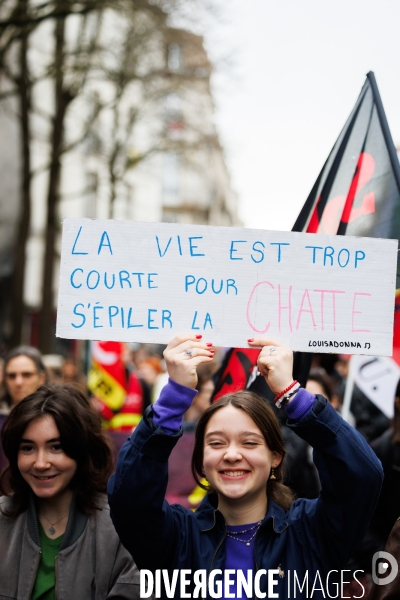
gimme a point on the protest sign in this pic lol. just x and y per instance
(146, 282)
(377, 377)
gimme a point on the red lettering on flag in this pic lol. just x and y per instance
(340, 208)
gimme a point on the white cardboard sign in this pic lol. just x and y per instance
(146, 282)
(377, 377)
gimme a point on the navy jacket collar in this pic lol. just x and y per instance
(208, 515)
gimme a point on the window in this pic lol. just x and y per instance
(92, 183)
(173, 116)
(174, 57)
(170, 179)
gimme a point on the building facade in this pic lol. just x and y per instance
(140, 140)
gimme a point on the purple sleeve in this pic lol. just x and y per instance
(301, 404)
(173, 402)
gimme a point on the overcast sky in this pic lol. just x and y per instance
(299, 67)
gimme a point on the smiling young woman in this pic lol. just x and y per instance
(249, 521)
(57, 540)
(232, 453)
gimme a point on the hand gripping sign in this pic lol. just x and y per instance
(146, 282)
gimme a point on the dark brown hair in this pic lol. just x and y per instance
(81, 436)
(319, 375)
(263, 416)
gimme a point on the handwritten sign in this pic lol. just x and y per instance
(146, 282)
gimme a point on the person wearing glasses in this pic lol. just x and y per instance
(24, 373)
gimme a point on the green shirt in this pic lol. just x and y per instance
(45, 584)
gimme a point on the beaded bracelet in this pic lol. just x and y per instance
(289, 387)
(286, 397)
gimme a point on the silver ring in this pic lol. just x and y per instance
(188, 352)
(272, 349)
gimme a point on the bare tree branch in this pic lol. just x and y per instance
(131, 68)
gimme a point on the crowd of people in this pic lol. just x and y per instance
(185, 459)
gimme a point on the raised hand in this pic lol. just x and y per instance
(182, 356)
(275, 363)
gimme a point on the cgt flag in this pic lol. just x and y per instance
(358, 190)
(118, 393)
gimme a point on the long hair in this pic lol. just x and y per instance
(81, 437)
(263, 416)
(29, 352)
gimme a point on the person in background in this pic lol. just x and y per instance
(319, 382)
(53, 363)
(149, 369)
(301, 474)
(56, 536)
(366, 417)
(1, 375)
(205, 389)
(4, 410)
(3, 406)
(138, 391)
(387, 449)
(24, 372)
(73, 375)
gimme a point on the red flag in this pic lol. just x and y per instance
(235, 372)
(396, 329)
(238, 372)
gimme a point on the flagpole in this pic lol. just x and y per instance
(385, 128)
(348, 392)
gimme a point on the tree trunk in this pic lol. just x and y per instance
(62, 99)
(17, 307)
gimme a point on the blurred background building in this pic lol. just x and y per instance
(105, 112)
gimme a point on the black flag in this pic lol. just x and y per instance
(358, 190)
(356, 193)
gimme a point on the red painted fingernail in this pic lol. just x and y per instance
(198, 337)
(251, 340)
(212, 351)
(209, 344)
